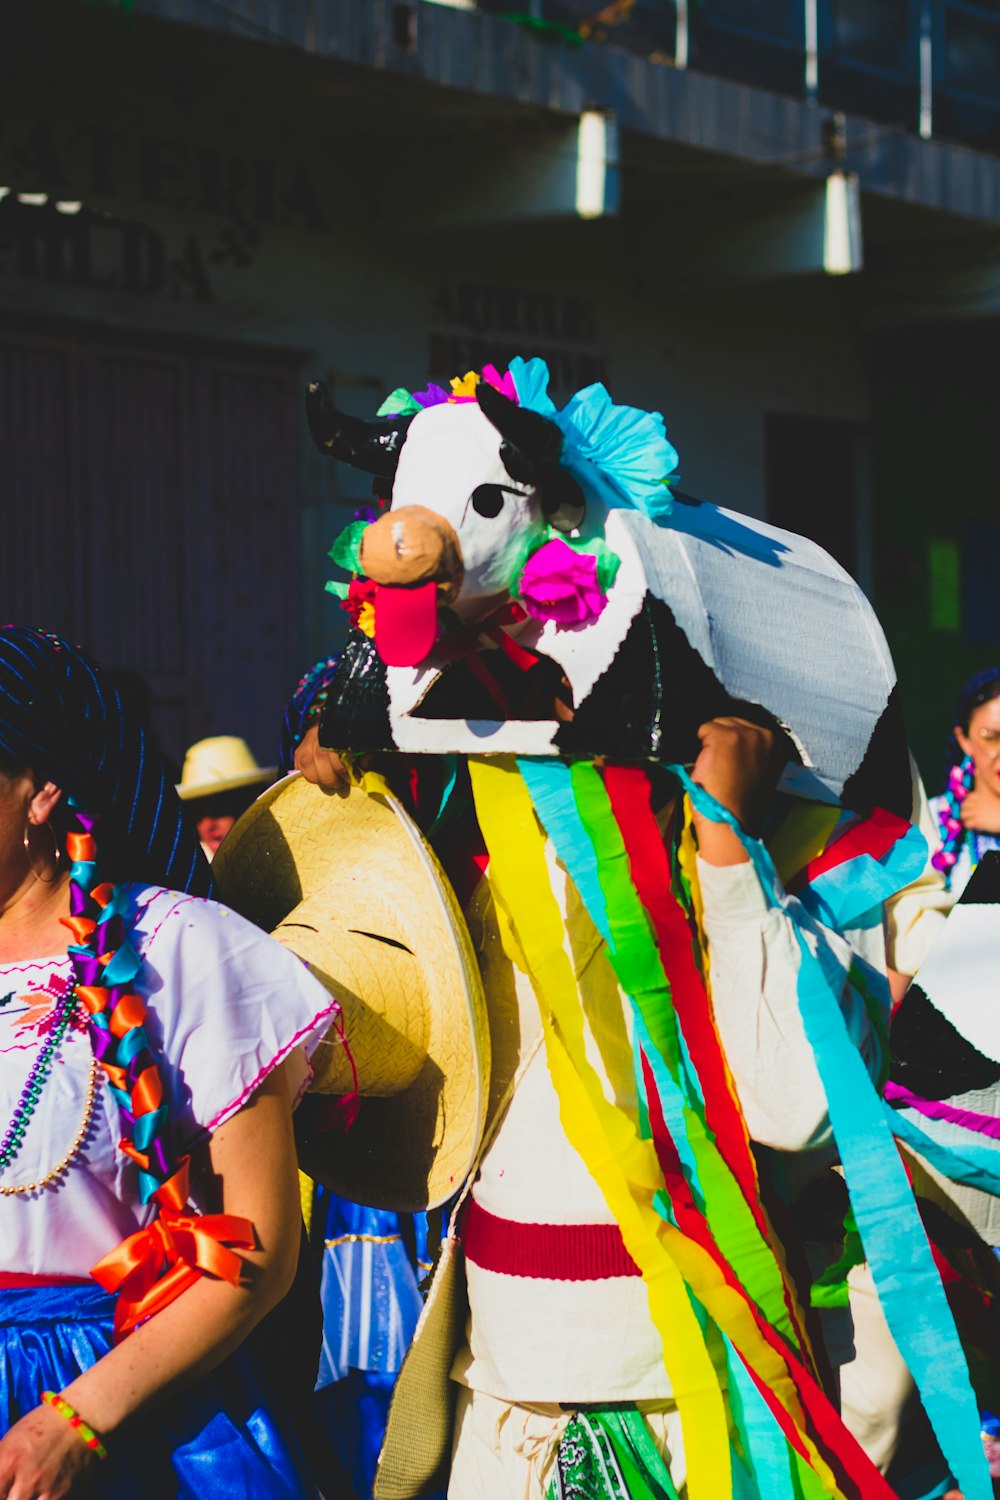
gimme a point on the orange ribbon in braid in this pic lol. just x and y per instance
(153, 1266)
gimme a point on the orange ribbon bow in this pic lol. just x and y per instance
(156, 1264)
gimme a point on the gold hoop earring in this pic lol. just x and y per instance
(56, 852)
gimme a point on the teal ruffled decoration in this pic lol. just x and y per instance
(628, 446)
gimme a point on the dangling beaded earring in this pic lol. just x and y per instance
(961, 779)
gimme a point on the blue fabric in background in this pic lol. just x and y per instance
(371, 1300)
(372, 1263)
(223, 1439)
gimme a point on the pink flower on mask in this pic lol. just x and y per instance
(560, 584)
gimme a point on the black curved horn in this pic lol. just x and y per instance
(531, 443)
(372, 446)
(530, 453)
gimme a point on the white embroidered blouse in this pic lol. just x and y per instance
(226, 1004)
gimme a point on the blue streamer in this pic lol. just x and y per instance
(451, 761)
(841, 897)
(974, 1165)
(551, 790)
(550, 786)
(909, 1288)
(767, 1452)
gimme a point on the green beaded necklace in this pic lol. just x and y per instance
(14, 1135)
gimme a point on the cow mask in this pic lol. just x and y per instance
(524, 539)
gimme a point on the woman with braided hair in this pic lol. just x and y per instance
(968, 811)
(152, 1047)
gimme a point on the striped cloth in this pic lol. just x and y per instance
(62, 717)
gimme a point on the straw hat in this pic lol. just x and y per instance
(220, 764)
(350, 885)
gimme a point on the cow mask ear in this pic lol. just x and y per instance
(531, 443)
(530, 453)
(372, 446)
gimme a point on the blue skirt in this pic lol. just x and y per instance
(223, 1439)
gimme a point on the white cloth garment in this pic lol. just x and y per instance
(504, 1451)
(551, 1338)
(915, 916)
(226, 1004)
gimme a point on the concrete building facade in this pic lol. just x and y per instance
(207, 203)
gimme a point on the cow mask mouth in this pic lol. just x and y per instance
(414, 558)
(413, 555)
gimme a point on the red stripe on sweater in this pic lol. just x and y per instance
(545, 1252)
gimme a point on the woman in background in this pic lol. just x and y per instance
(968, 811)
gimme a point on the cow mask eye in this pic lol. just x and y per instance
(487, 500)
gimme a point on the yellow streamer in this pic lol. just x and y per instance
(802, 835)
(623, 1165)
(307, 1196)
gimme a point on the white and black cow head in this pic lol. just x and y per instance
(516, 529)
(472, 485)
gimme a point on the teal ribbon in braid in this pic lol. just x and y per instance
(156, 1264)
(105, 965)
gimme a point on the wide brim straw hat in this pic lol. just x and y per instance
(349, 883)
(222, 763)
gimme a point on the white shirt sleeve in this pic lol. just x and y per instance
(915, 916)
(754, 960)
(227, 1004)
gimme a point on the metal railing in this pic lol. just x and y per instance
(929, 66)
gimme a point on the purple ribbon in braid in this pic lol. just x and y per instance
(104, 965)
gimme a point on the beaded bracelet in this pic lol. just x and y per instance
(84, 1432)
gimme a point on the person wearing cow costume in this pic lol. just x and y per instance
(678, 736)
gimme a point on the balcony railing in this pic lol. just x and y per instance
(929, 66)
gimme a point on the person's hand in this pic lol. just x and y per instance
(324, 768)
(42, 1458)
(980, 811)
(739, 764)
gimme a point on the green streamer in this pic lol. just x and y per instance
(831, 1289)
(636, 961)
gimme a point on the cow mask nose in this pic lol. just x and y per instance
(410, 546)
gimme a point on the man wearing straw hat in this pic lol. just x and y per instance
(595, 698)
(219, 780)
